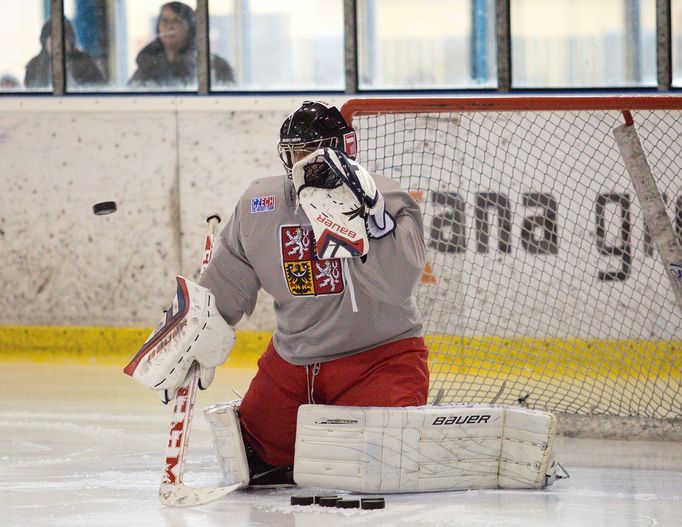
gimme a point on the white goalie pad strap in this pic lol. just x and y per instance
(335, 211)
(228, 442)
(426, 448)
(191, 330)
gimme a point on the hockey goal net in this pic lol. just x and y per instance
(543, 286)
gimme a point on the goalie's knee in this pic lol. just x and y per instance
(228, 443)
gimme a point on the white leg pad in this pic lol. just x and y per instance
(426, 448)
(228, 443)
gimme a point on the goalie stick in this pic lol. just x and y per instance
(173, 491)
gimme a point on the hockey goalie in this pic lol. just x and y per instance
(339, 399)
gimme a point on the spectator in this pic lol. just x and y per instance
(170, 59)
(9, 82)
(80, 67)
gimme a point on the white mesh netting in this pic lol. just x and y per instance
(543, 286)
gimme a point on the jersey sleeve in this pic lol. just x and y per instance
(394, 263)
(230, 276)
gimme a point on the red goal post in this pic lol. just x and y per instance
(543, 286)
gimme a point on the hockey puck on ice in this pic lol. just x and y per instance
(105, 207)
(348, 504)
(372, 503)
(318, 498)
(302, 500)
(329, 501)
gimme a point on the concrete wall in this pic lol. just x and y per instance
(167, 162)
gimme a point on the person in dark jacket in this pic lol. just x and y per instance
(170, 59)
(80, 67)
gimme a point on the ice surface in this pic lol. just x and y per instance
(84, 446)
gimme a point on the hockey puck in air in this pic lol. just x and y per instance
(372, 503)
(348, 504)
(104, 207)
(328, 501)
(302, 500)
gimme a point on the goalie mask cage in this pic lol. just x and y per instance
(543, 286)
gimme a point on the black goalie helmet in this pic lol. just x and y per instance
(312, 126)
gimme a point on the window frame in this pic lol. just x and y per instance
(350, 14)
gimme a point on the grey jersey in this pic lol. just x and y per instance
(325, 309)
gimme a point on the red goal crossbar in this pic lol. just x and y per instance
(509, 104)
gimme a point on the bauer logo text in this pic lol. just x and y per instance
(461, 419)
(324, 220)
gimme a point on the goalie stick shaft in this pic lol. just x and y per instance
(181, 421)
(172, 490)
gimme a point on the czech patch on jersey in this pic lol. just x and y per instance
(263, 204)
(305, 275)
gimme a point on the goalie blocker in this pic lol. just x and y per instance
(412, 449)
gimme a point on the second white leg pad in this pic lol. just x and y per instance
(228, 442)
(420, 449)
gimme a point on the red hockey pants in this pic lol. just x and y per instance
(395, 374)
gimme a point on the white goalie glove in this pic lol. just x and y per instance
(191, 330)
(342, 202)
